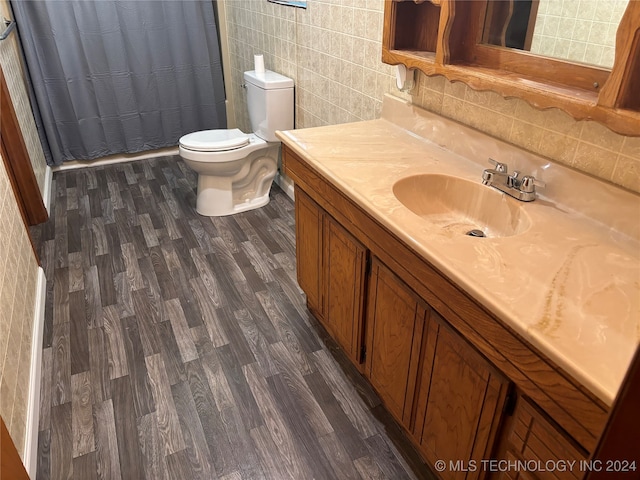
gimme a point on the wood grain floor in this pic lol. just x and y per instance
(179, 347)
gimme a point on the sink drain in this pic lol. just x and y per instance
(476, 233)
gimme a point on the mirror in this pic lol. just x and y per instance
(575, 30)
(292, 3)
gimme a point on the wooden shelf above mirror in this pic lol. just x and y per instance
(445, 37)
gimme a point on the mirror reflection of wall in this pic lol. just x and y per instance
(292, 3)
(578, 30)
(510, 23)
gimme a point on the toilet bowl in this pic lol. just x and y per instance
(235, 170)
(233, 180)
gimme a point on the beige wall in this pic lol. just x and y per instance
(583, 31)
(18, 267)
(11, 67)
(18, 278)
(332, 51)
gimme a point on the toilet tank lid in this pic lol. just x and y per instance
(215, 140)
(268, 80)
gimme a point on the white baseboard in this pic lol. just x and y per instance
(286, 184)
(35, 375)
(120, 158)
(46, 195)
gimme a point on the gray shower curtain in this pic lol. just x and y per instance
(114, 76)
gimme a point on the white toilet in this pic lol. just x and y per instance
(235, 170)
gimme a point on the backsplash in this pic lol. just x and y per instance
(332, 51)
(586, 146)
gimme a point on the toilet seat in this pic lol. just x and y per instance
(246, 143)
(215, 140)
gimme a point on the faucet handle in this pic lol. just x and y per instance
(499, 167)
(529, 184)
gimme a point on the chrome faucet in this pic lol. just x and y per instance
(521, 188)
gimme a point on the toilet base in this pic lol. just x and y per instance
(247, 189)
(212, 202)
(242, 207)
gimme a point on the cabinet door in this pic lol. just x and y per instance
(395, 322)
(460, 402)
(344, 267)
(309, 220)
(535, 438)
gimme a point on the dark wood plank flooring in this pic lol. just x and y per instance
(180, 346)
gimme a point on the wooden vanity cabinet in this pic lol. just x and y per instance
(331, 271)
(444, 368)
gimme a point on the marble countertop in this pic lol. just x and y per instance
(570, 284)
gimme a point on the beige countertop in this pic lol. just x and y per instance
(569, 284)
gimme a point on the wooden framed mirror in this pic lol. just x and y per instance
(448, 37)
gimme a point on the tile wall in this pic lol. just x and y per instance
(332, 50)
(18, 267)
(12, 69)
(18, 278)
(579, 30)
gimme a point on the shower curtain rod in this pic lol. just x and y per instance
(9, 26)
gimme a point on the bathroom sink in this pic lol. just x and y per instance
(460, 206)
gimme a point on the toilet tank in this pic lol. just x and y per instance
(270, 103)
